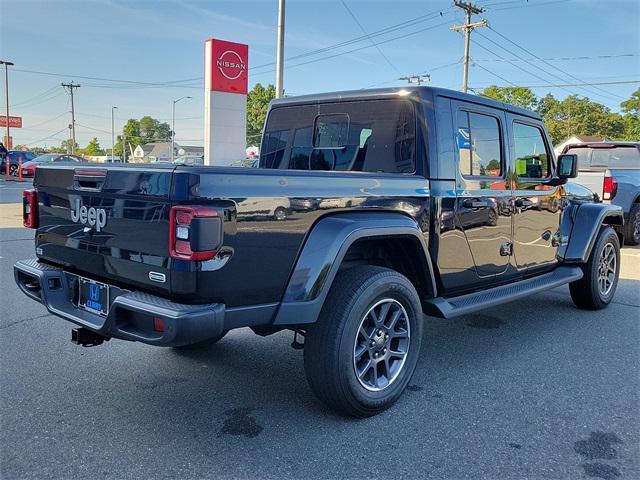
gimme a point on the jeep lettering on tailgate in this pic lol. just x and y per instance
(94, 217)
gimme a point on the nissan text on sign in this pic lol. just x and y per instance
(225, 101)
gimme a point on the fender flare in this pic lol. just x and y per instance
(322, 254)
(585, 221)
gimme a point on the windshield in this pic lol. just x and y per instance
(48, 157)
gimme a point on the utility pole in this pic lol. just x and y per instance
(6, 100)
(418, 79)
(71, 86)
(113, 142)
(468, 27)
(280, 50)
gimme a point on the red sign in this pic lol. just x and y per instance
(14, 122)
(229, 66)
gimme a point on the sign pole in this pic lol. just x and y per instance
(6, 100)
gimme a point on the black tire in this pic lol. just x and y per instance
(201, 345)
(588, 293)
(331, 343)
(280, 214)
(632, 234)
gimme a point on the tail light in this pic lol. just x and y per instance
(609, 187)
(30, 208)
(195, 233)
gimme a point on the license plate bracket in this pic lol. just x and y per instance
(93, 296)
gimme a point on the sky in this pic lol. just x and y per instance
(140, 55)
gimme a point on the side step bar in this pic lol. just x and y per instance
(455, 306)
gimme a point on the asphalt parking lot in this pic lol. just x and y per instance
(534, 389)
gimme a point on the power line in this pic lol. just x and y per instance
(66, 75)
(547, 63)
(92, 128)
(47, 121)
(494, 74)
(355, 19)
(383, 31)
(527, 5)
(550, 74)
(533, 74)
(561, 85)
(365, 47)
(36, 97)
(46, 138)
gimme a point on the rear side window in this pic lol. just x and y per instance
(532, 158)
(479, 146)
(618, 157)
(367, 136)
(584, 156)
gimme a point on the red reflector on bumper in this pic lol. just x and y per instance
(158, 324)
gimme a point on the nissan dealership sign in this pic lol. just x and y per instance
(225, 103)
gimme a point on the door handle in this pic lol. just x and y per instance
(523, 202)
(468, 203)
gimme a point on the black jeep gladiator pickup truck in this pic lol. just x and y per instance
(368, 210)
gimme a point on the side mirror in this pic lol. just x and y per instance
(567, 166)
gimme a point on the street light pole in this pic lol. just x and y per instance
(6, 95)
(280, 50)
(173, 123)
(113, 143)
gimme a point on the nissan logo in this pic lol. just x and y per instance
(230, 65)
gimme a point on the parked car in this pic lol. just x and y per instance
(15, 157)
(190, 262)
(29, 168)
(612, 171)
(190, 160)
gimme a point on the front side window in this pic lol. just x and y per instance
(532, 158)
(365, 136)
(479, 146)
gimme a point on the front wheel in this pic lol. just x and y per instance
(280, 214)
(362, 352)
(596, 288)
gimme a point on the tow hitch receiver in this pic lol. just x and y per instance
(87, 338)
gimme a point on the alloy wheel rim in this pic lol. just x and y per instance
(636, 227)
(381, 345)
(607, 263)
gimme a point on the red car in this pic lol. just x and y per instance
(29, 168)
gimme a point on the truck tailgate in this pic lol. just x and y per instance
(592, 179)
(109, 223)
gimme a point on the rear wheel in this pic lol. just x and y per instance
(362, 352)
(632, 235)
(596, 288)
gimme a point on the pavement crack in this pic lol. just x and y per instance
(23, 321)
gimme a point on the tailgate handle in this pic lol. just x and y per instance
(89, 179)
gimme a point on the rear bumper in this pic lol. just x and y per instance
(131, 314)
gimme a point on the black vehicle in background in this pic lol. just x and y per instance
(400, 202)
(15, 158)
